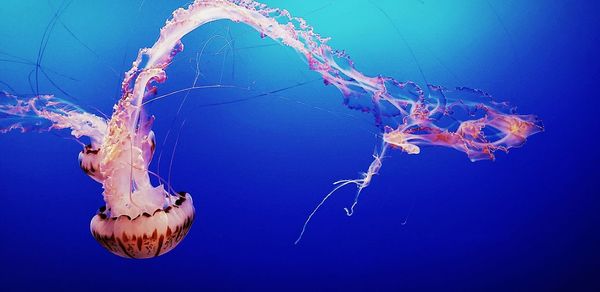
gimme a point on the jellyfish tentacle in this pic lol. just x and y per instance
(365, 181)
(314, 211)
(46, 112)
(361, 183)
(188, 90)
(174, 149)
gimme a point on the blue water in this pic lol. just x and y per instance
(528, 221)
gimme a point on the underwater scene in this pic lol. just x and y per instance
(358, 145)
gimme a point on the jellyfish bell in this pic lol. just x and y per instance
(148, 234)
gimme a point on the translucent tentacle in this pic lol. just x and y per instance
(45, 113)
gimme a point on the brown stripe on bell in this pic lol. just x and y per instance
(147, 235)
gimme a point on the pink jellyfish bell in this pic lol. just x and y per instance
(148, 234)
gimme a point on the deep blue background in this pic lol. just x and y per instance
(528, 221)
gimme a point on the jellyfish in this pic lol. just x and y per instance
(140, 220)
